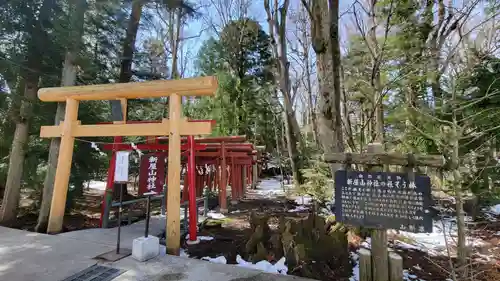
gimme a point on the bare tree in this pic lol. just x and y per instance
(171, 33)
(225, 12)
(324, 17)
(376, 47)
(276, 18)
(303, 39)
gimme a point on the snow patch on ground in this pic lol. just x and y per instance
(220, 259)
(355, 269)
(492, 213)
(202, 238)
(215, 215)
(182, 252)
(367, 243)
(495, 210)
(408, 276)
(97, 185)
(444, 234)
(277, 268)
(272, 188)
(303, 200)
(299, 208)
(269, 188)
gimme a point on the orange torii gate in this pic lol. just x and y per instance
(174, 127)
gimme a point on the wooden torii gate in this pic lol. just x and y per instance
(174, 127)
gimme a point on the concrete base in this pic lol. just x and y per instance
(234, 202)
(145, 248)
(223, 211)
(197, 241)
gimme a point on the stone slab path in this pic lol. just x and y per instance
(28, 256)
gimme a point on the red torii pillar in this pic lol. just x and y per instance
(223, 181)
(191, 174)
(108, 194)
(234, 182)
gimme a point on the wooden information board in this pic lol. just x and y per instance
(383, 200)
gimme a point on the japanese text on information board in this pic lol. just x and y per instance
(383, 200)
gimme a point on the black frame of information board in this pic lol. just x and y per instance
(383, 200)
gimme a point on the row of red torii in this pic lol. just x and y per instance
(210, 155)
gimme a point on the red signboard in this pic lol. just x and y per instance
(152, 173)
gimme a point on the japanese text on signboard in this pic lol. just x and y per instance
(152, 173)
(383, 200)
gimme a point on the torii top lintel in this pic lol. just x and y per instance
(198, 86)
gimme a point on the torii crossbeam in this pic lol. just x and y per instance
(174, 127)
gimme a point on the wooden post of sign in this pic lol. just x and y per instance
(379, 236)
(365, 265)
(395, 267)
(63, 171)
(173, 226)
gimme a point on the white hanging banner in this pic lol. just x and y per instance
(121, 166)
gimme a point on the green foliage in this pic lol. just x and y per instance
(103, 32)
(429, 81)
(244, 104)
(317, 182)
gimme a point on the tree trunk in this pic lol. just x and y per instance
(324, 30)
(48, 184)
(175, 16)
(346, 115)
(462, 251)
(129, 43)
(68, 79)
(292, 129)
(31, 76)
(128, 53)
(12, 194)
(335, 52)
(376, 84)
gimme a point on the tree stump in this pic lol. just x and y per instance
(260, 238)
(310, 240)
(312, 247)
